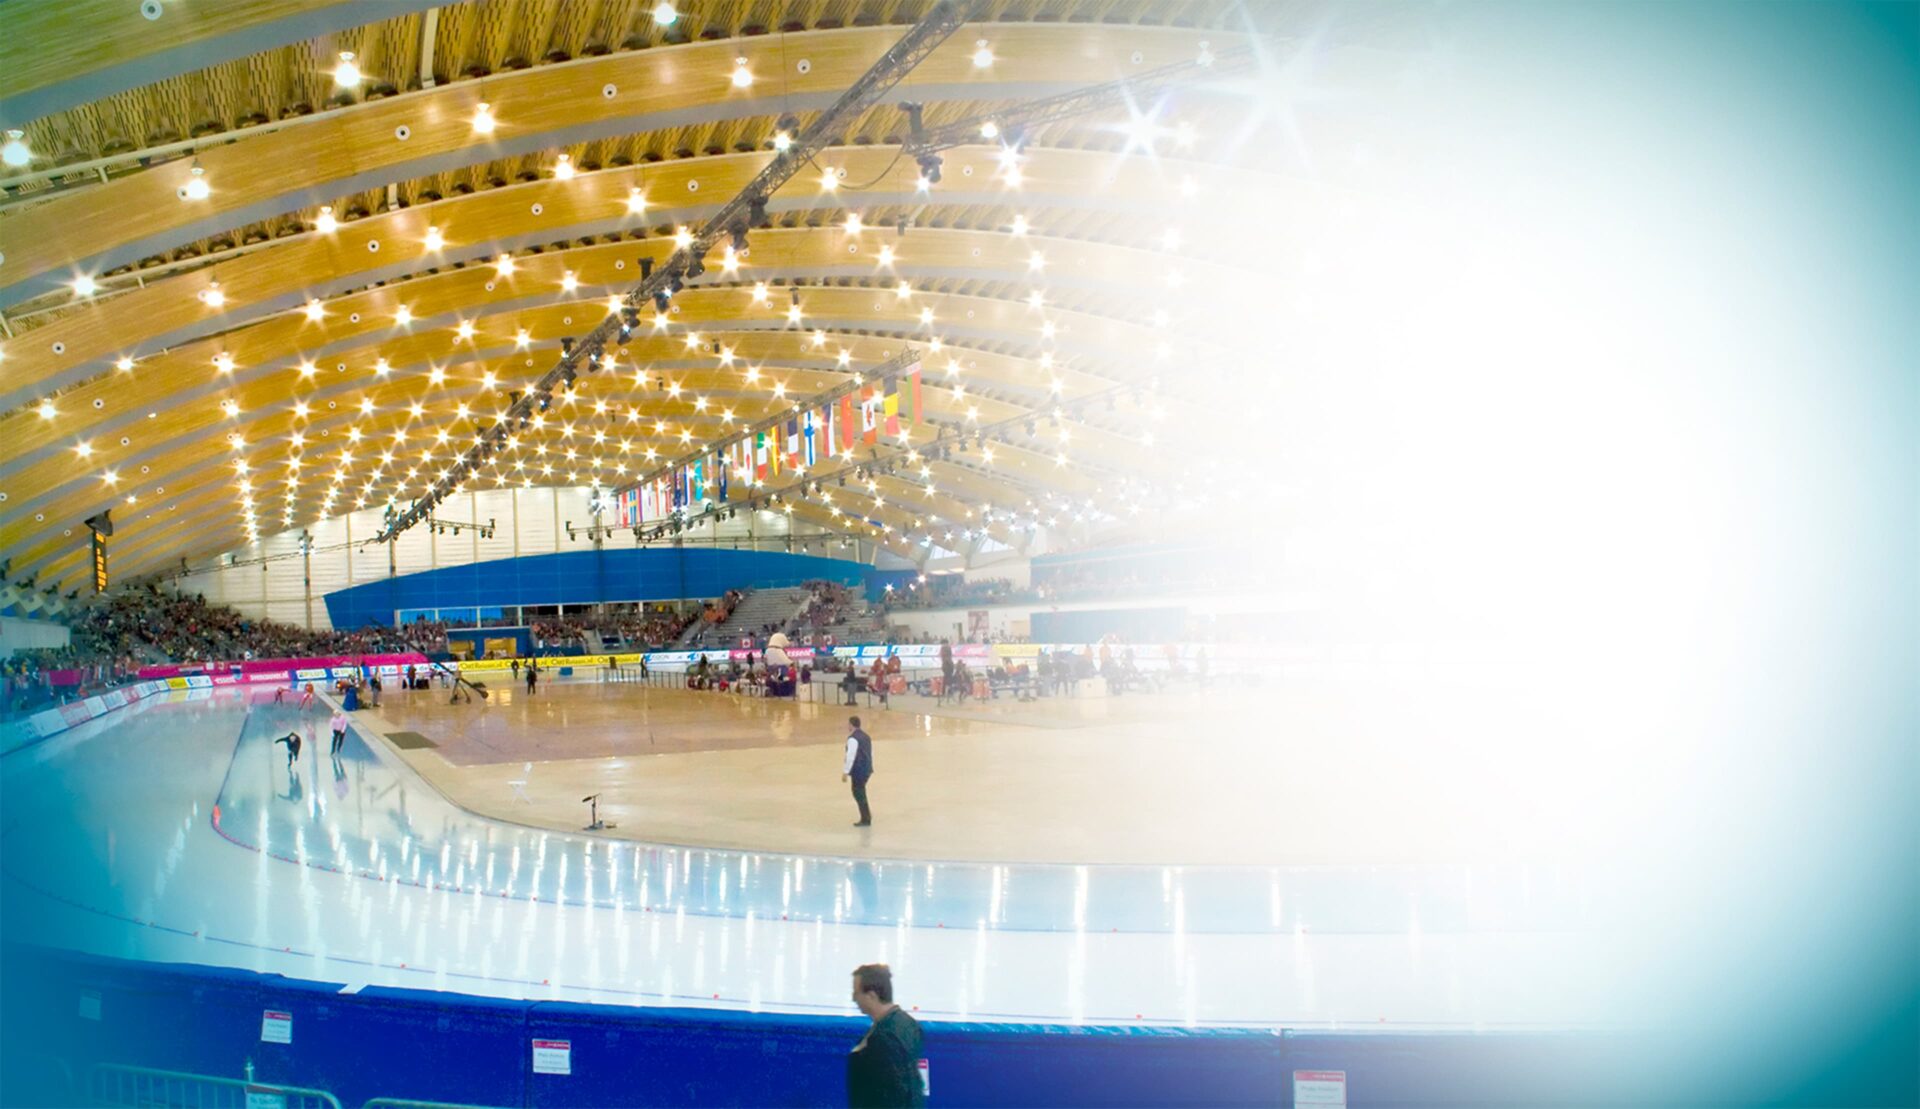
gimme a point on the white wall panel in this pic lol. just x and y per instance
(413, 551)
(495, 505)
(366, 561)
(536, 520)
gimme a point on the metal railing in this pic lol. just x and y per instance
(116, 1084)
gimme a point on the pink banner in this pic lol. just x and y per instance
(276, 669)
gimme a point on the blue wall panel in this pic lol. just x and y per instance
(584, 577)
(453, 1047)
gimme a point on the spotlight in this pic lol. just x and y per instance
(664, 15)
(14, 152)
(346, 74)
(197, 188)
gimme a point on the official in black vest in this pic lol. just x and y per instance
(859, 767)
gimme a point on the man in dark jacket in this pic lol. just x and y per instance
(858, 766)
(885, 1067)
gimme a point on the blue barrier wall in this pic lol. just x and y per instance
(425, 1045)
(584, 577)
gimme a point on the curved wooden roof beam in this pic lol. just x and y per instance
(259, 176)
(254, 387)
(1014, 467)
(62, 53)
(288, 273)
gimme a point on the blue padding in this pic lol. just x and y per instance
(417, 1044)
(427, 1045)
(583, 577)
(689, 1057)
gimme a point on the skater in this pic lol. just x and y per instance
(292, 740)
(946, 671)
(279, 694)
(306, 697)
(859, 767)
(339, 726)
(533, 675)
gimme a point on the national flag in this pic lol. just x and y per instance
(913, 383)
(792, 443)
(869, 416)
(846, 422)
(890, 408)
(806, 421)
(699, 481)
(720, 468)
(773, 450)
(760, 455)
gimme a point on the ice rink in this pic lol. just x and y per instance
(176, 830)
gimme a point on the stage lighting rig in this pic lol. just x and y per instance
(913, 47)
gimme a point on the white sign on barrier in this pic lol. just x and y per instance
(553, 1056)
(276, 1027)
(265, 1097)
(1322, 1089)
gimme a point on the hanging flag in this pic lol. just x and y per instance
(792, 443)
(869, 416)
(890, 408)
(679, 488)
(649, 502)
(914, 389)
(807, 432)
(773, 449)
(760, 455)
(699, 481)
(846, 422)
(720, 469)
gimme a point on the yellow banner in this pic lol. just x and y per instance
(176, 683)
(1017, 650)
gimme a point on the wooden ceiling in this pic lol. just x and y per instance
(236, 352)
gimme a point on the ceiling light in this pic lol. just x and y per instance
(989, 130)
(1019, 225)
(683, 237)
(563, 168)
(15, 152)
(636, 201)
(223, 362)
(402, 316)
(46, 410)
(829, 181)
(483, 121)
(982, 54)
(315, 310)
(325, 223)
(196, 188)
(852, 224)
(124, 365)
(83, 448)
(568, 282)
(664, 15)
(212, 295)
(434, 240)
(84, 285)
(346, 74)
(782, 141)
(504, 265)
(742, 76)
